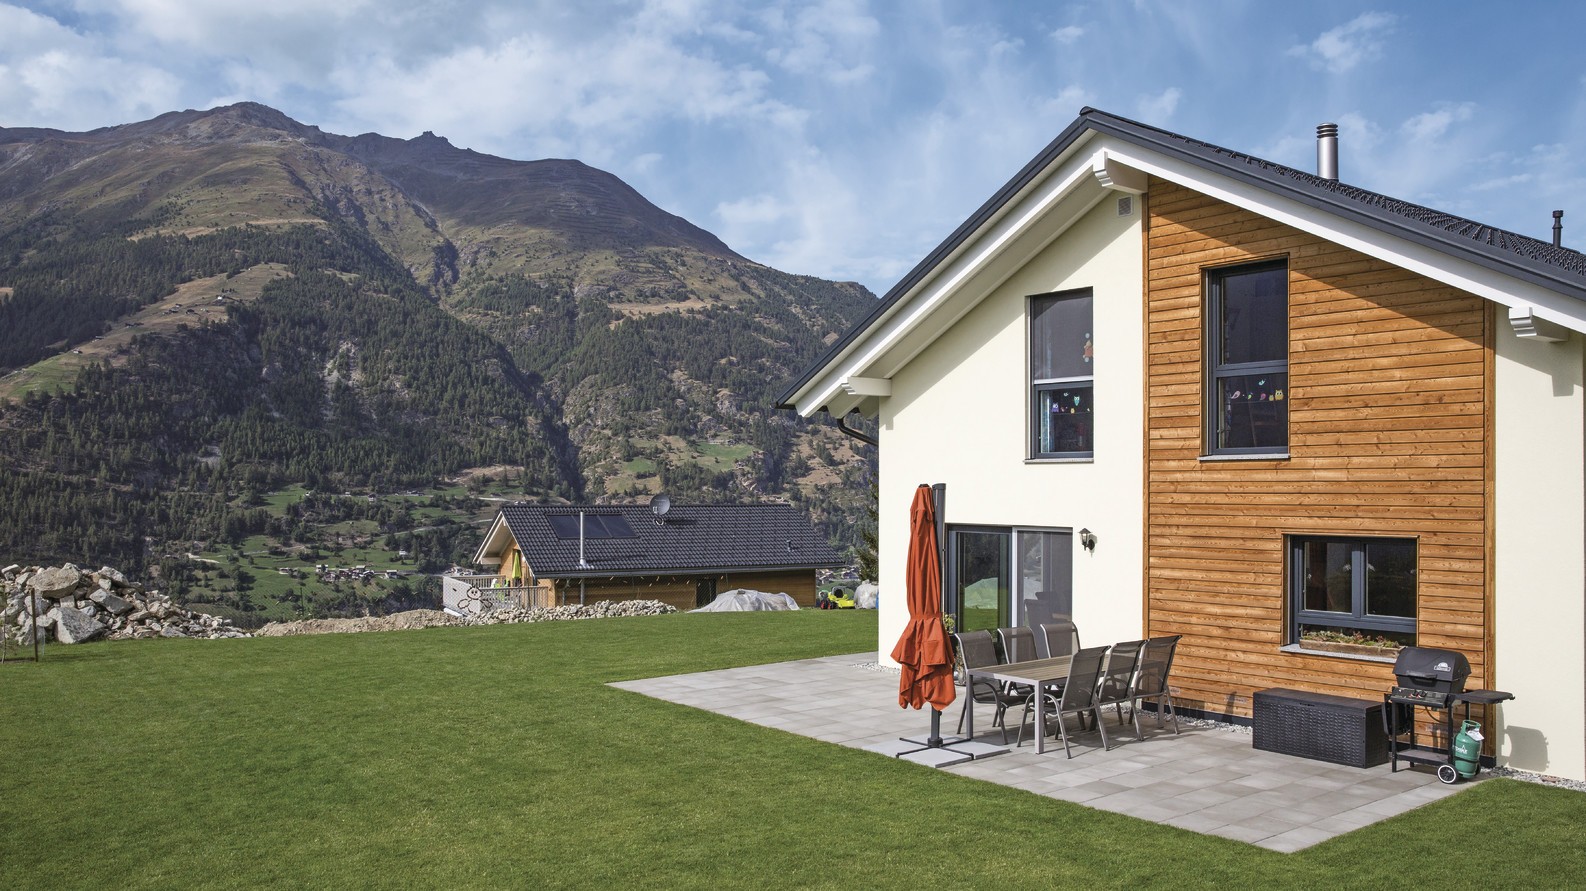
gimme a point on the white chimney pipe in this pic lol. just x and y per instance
(1327, 151)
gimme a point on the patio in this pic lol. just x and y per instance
(1206, 779)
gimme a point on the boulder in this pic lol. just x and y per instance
(113, 576)
(74, 626)
(112, 604)
(55, 583)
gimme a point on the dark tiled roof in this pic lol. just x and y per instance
(693, 538)
(1531, 259)
(1563, 265)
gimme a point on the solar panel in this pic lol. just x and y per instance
(596, 526)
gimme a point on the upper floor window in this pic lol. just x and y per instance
(1062, 375)
(1247, 359)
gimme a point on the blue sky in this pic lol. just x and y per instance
(846, 138)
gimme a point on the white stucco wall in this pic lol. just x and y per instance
(1540, 524)
(958, 415)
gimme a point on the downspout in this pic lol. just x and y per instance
(867, 439)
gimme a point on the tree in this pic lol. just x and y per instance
(865, 553)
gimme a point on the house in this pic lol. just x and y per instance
(1171, 388)
(682, 555)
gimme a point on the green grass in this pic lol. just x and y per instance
(497, 757)
(723, 454)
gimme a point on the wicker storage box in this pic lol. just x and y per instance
(1336, 729)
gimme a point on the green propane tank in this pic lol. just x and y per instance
(1467, 749)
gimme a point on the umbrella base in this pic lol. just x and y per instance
(953, 751)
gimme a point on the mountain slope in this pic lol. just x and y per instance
(230, 302)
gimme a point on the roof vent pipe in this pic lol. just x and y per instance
(1558, 228)
(1327, 151)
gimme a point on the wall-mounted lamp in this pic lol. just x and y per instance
(1087, 539)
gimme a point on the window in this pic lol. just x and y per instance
(1361, 587)
(998, 576)
(1062, 375)
(1247, 359)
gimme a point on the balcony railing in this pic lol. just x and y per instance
(474, 594)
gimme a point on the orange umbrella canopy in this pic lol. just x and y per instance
(923, 651)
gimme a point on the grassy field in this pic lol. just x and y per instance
(497, 757)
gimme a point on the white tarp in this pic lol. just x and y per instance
(741, 600)
(866, 596)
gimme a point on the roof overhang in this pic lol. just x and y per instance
(857, 375)
(1099, 155)
(494, 543)
(1442, 258)
(596, 572)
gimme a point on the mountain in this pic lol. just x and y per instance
(201, 311)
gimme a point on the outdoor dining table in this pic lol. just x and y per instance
(1041, 675)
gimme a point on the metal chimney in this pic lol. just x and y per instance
(1558, 228)
(1327, 151)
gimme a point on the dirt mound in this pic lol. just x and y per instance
(419, 618)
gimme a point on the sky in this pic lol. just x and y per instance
(845, 139)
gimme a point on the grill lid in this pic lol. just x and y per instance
(1423, 666)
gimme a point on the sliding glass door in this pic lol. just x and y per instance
(999, 576)
(981, 569)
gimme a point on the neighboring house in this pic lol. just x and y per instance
(1281, 404)
(546, 555)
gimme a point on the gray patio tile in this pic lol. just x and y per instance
(1204, 798)
(1296, 839)
(1203, 779)
(1241, 833)
(1196, 822)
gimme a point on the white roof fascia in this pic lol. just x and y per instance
(1073, 173)
(490, 537)
(1428, 261)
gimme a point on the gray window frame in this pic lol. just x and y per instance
(1357, 619)
(1039, 385)
(1216, 370)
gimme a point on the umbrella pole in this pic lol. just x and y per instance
(934, 741)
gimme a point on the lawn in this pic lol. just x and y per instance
(497, 757)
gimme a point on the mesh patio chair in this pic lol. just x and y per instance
(1150, 681)
(1018, 644)
(1079, 697)
(978, 649)
(1117, 684)
(1060, 638)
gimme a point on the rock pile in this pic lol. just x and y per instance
(600, 609)
(80, 606)
(429, 618)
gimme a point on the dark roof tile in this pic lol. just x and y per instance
(693, 538)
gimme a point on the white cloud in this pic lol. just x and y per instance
(1068, 35)
(1340, 49)
(830, 40)
(51, 76)
(1431, 125)
(1158, 109)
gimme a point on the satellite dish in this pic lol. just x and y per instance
(660, 504)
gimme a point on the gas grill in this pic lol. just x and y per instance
(1434, 680)
(1428, 677)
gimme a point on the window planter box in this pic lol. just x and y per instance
(1349, 649)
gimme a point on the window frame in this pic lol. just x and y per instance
(1042, 385)
(1216, 370)
(1358, 619)
(1012, 594)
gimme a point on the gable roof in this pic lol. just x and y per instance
(1514, 269)
(697, 538)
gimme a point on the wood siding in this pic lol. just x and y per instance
(1389, 399)
(682, 591)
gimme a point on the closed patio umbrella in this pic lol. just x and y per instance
(923, 651)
